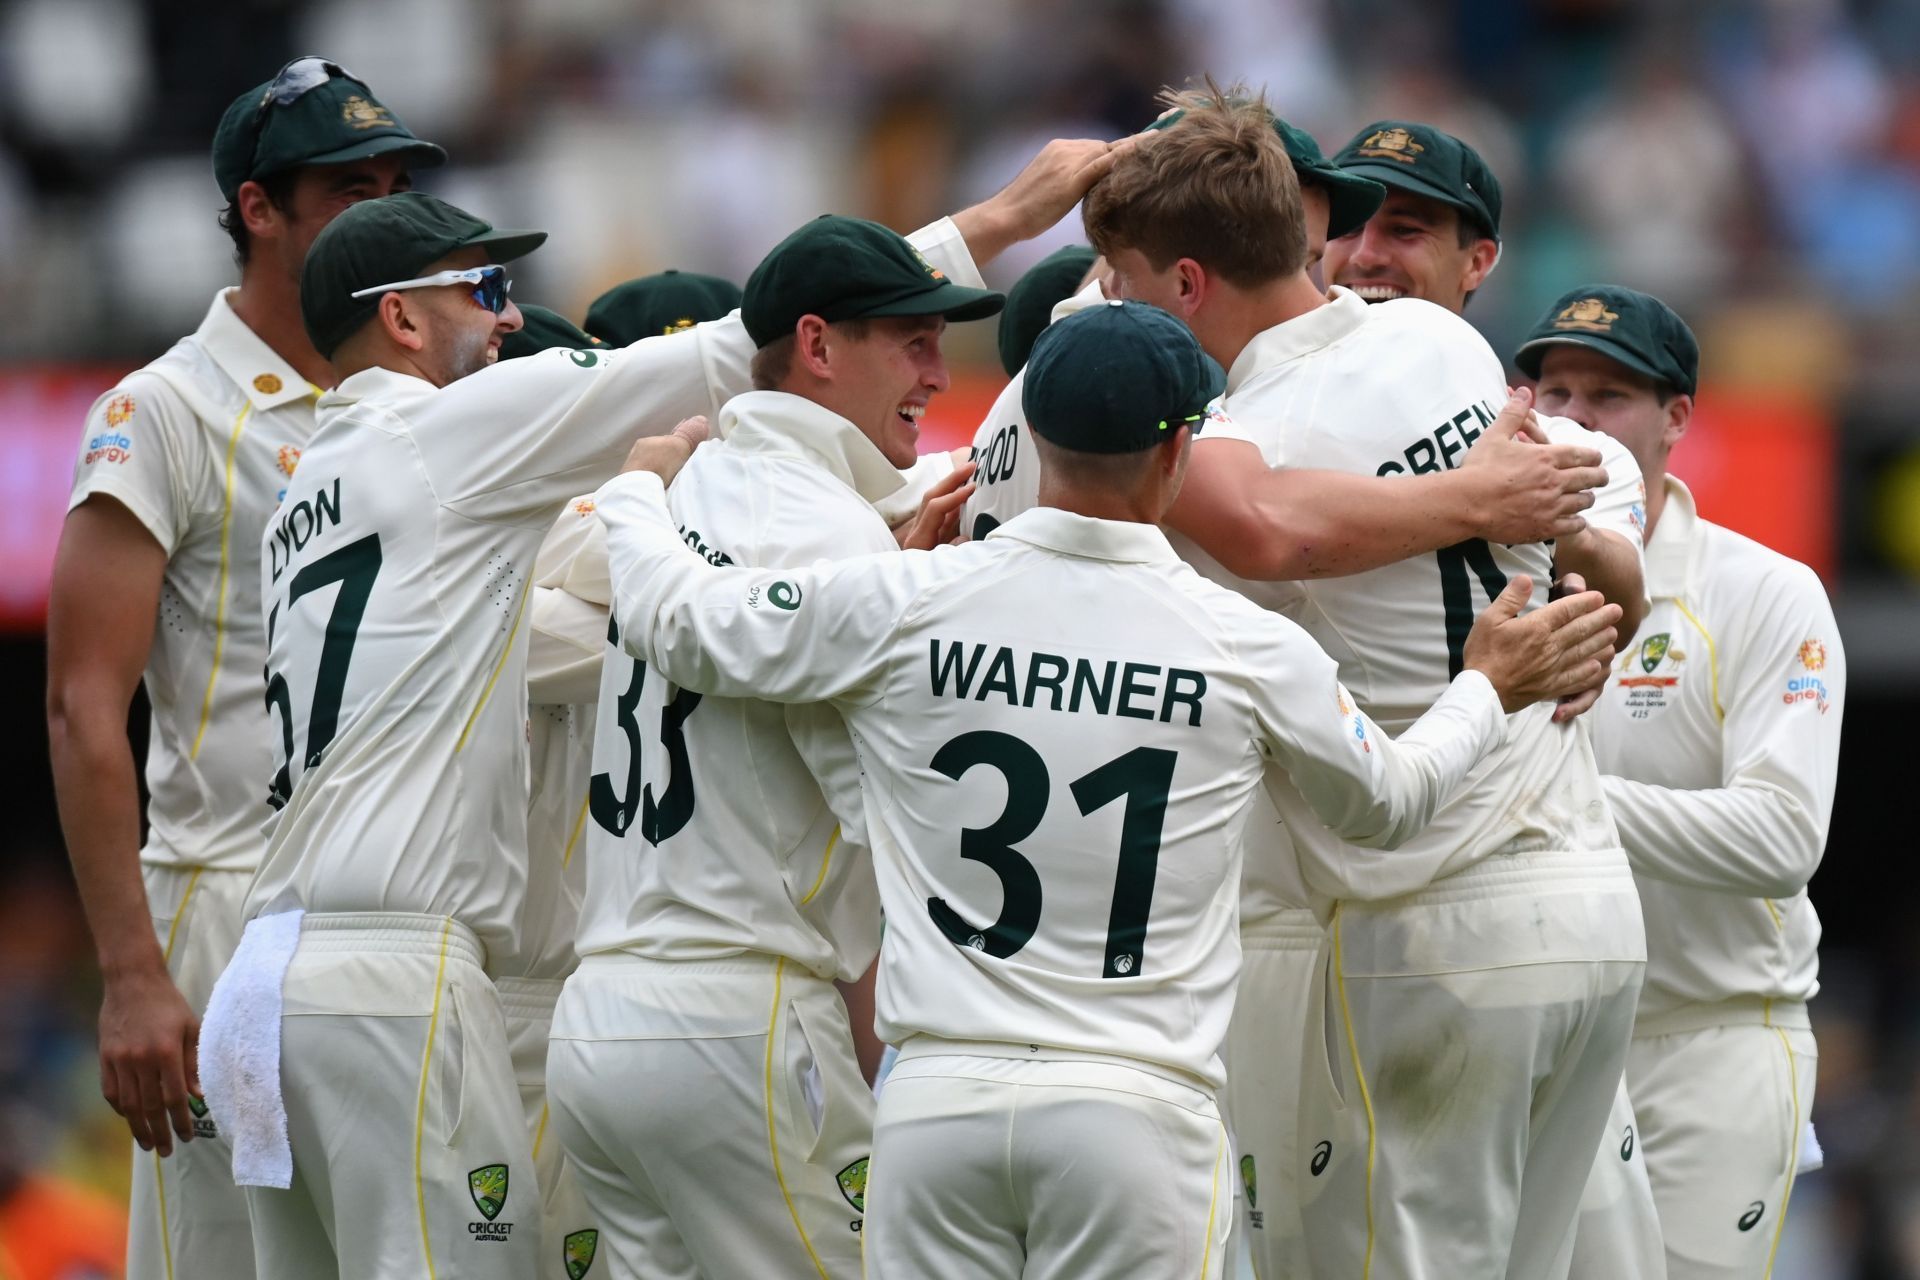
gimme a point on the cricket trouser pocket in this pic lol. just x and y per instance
(410, 1145)
(996, 1161)
(715, 1115)
(570, 1235)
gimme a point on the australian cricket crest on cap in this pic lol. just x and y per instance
(577, 1251)
(932, 270)
(853, 1183)
(1587, 314)
(1390, 144)
(360, 113)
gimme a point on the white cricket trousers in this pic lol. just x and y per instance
(1618, 1231)
(1261, 1100)
(185, 1217)
(714, 1116)
(1044, 1166)
(1471, 1037)
(1722, 1093)
(410, 1149)
(570, 1237)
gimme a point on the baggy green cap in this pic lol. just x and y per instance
(1118, 379)
(1351, 198)
(1634, 328)
(1031, 301)
(1421, 159)
(313, 112)
(851, 269)
(664, 303)
(386, 241)
(542, 328)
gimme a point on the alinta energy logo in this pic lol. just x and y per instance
(488, 1187)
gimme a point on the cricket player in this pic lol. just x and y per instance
(1518, 967)
(1719, 733)
(401, 789)
(1060, 1012)
(729, 886)
(1437, 237)
(665, 302)
(156, 579)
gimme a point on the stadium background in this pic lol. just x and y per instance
(1756, 164)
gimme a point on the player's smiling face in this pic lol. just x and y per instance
(461, 336)
(1411, 249)
(321, 192)
(1601, 394)
(881, 382)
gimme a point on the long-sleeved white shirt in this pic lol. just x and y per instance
(394, 580)
(1720, 735)
(1061, 730)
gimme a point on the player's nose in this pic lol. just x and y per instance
(510, 321)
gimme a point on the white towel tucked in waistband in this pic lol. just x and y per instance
(240, 1051)
(1811, 1155)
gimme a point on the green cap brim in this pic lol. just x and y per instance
(505, 246)
(1398, 176)
(1351, 198)
(953, 301)
(1527, 359)
(426, 154)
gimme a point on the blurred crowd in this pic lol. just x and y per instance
(1754, 162)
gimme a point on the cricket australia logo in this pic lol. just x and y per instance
(203, 1126)
(1647, 692)
(853, 1183)
(488, 1187)
(1251, 1181)
(1590, 314)
(577, 1252)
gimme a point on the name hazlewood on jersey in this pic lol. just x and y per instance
(1110, 688)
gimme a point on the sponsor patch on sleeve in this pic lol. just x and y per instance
(1804, 682)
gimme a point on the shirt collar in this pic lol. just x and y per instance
(377, 384)
(256, 368)
(1670, 550)
(1123, 541)
(780, 422)
(1306, 333)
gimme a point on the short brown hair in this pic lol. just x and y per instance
(1217, 186)
(772, 363)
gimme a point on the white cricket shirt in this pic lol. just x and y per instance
(1061, 729)
(1720, 733)
(727, 825)
(1401, 388)
(395, 584)
(199, 445)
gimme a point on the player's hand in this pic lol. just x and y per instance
(939, 517)
(1551, 653)
(1574, 704)
(665, 455)
(1527, 490)
(149, 1046)
(1044, 192)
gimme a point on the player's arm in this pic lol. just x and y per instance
(1380, 791)
(1761, 833)
(1609, 555)
(105, 596)
(1284, 524)
(783, 635)
(568, 610)
(1043, 193)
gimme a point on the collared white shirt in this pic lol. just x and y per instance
(1720, 733)
(200, 445)
(395, 583)
(1406, 387)
(1061, 729)
(722, 826)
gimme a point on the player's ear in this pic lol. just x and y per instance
(1679, 411)
(1194, 284)
(812, 341)
(400, 323)
(1479, 264)
(262, 216)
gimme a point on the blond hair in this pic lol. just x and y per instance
(1216, 186)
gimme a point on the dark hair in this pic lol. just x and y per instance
(772, 363)
(279, 192)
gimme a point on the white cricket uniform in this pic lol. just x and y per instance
(568, 619)
(729, 886)
(198, 445)
(1504, 943)
(1720, 736)
(395, 580)
(1061, 1005)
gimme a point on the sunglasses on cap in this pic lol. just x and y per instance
(490, 283)
(299, 78)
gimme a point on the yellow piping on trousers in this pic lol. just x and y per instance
(1360, 1074)
(773, 1139)
(1793, 1144)
(1213, 1203)
(166, 956)
(420, 1115)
